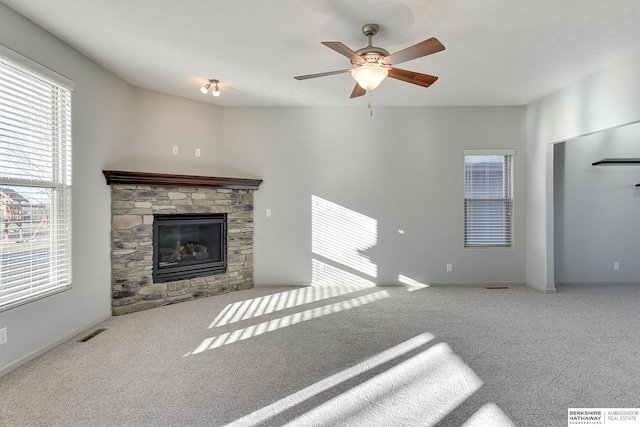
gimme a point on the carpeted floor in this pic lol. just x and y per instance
(343, 356)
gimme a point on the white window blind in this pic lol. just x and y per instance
(35, 181)
(488, 198)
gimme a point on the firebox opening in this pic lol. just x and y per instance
(189, 245)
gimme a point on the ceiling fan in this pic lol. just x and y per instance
(372, 64)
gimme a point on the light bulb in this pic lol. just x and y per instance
(369, 76)
(216, 91)
(204, 89)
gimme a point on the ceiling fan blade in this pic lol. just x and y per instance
(344, 50)
(419, 50)
(419, 79)
(328, 73)
(357, 91)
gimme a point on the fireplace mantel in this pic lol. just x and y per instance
(151, 178)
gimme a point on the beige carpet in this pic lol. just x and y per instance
(343, 356)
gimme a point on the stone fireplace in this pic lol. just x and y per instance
(142, 203)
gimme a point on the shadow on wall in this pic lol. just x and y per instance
(343, 237)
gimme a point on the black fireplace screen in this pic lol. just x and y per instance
(189, 245)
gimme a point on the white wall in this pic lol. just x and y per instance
(161, 121)
(604, 100)
(401, 169)
(101, 108)
(596, 208)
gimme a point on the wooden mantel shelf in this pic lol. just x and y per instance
(150, 178)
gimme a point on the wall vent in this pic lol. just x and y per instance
(496, 287)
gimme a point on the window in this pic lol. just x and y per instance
(35, 181)
(488, 198)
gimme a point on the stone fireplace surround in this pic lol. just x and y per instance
(136, 197)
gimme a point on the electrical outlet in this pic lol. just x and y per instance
(197, 152)
(449, 267)
(175, 149)
(268, 213)
(616, 266)
(3, 336)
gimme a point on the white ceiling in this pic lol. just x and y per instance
(498, 52)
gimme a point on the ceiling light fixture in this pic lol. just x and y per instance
(216, 90)
(369, 75)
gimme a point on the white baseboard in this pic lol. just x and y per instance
(43, 350)
(539, 289)
(272, 285)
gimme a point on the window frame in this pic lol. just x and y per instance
(57, 164)
(507, 200)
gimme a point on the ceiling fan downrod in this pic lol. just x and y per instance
(371, 53)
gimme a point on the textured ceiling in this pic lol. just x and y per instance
(498, 52)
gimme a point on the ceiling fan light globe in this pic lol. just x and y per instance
(369, 77)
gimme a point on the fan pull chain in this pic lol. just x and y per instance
(370, 102)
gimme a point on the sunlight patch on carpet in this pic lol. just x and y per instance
(264, 414)
(412, 284)
(285, 321)
(421, 390)
(489, 415)
(327, 282)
